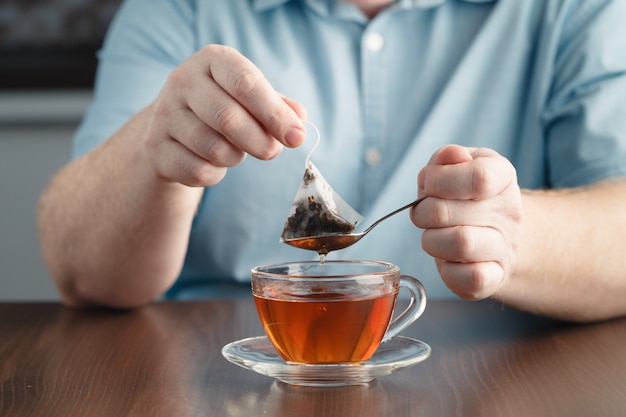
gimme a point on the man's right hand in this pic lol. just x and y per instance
(215, 108)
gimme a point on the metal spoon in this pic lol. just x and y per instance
(327, 243)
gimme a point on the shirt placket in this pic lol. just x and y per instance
(374, 114)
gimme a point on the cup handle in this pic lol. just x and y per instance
(415, 308)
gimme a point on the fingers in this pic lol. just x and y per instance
(435, 213)
(297, 107)
(472, 281)
(202, 140)
(465, 244)
(470, 259)
(215, 108)
(472, 218)
(233, 123)
(177, 163)
(251, 97)
(485, 174)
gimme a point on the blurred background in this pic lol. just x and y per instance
(47, 65)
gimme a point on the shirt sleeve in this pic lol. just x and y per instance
(585, 117)
(134, 63)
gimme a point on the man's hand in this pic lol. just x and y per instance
(472, 218)
(215, 108)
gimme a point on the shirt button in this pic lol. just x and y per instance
(374, 42)
(373, 156)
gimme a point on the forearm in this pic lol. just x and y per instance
(571, 263)
(111, 240)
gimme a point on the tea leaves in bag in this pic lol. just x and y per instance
(317, 210)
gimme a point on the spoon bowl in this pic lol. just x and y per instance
(327, 243)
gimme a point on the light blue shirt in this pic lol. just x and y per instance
(541, 82)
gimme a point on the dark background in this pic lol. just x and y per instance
(51, 44)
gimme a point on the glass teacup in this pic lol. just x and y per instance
(332, 312)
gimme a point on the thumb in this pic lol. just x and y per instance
(448, 155)
(451, 154)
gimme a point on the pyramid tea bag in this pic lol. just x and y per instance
(318, 210)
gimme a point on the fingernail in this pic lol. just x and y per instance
(294, 137)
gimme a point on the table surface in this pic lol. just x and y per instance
(165, 360)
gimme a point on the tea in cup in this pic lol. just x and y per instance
(332, 312)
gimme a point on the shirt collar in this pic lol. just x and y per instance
(261, 5)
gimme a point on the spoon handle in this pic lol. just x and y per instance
(411, 204)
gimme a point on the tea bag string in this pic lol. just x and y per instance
(317, 132)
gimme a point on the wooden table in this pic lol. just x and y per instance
(165, 360)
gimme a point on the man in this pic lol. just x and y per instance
(161, 197)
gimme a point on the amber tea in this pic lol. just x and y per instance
(335, 312)
(326, 328)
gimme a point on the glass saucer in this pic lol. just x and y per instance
(258, 354)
